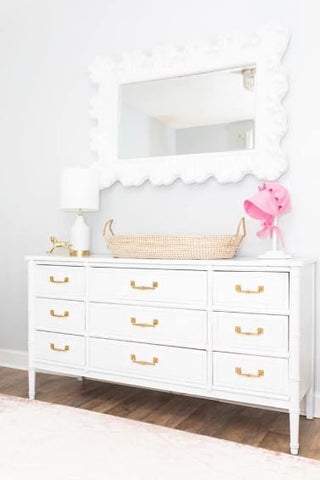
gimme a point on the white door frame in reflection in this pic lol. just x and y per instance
(267, 160)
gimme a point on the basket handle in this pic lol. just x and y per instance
(107, 229)
(242, 226)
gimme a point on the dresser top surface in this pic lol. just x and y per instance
(110, 260)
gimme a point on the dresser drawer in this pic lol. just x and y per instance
(166, 364)
(59, 348)
(147, 324)
(250, 373)
(59, 316)
(266, 334)
(154, 285)
(59, 281)
(251, 291)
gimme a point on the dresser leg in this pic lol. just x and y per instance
(32, 383)
(294, 432)
(310, 404)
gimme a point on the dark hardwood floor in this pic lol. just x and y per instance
(251, 426)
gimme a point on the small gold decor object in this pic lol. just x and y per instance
(63, 315)
(238, 371)
(238, 289)
(58, 244)
(66, 348)
(259, 331)
(190, 247)
(154, 323)
(154, 362)
(53, 280)
(143, 287)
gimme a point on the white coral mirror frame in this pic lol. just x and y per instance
(266, 160)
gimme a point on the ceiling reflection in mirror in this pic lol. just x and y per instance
(201, 113)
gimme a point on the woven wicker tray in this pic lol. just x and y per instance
(191, 247)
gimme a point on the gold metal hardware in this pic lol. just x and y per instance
(154, 323)
(53, 280)
(56, 349)
(143, 287)
(79, 253)
(238, 289)
(238, 371)
(257, 333)
(57, 315)
(154, 362)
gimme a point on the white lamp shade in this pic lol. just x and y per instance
(79, 189)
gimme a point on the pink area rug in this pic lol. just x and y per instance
(41, 441)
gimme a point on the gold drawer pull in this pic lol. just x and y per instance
(238, 371)
(57, 315)
(257, 333)
(53, 280)
(66, 348)
(154, 323)
(238, 289)
(143, 287)
(154, 362)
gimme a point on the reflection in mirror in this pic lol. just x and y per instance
(201, 113)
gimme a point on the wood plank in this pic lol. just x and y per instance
(276, 441)
(173, 412)
(252, 426)
(138, 407)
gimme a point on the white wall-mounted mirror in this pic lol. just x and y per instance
(208, 110)
(200, 113)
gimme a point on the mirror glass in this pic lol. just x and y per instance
(201, 113)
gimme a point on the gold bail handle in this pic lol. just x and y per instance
(154, 362)
(239, 289)
(143, 287)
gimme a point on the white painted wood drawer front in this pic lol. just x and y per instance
(260, 334)
(167, 364)
(59, 315)
(250, 373)
(60, 348)
(166, 326)
(59, 281)
(154, 285)
(251, 291)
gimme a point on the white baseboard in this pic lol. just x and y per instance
(14, 359)
(19, 359)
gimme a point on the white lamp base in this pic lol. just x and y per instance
(80, 237)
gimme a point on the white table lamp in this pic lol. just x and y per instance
(79, 191)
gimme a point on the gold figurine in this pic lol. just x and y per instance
(59, 244)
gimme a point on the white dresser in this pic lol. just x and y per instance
(239, 330)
